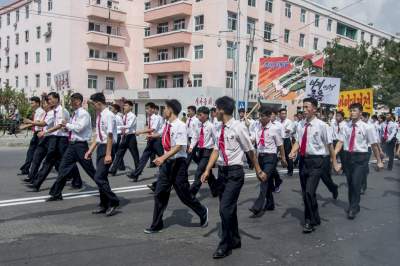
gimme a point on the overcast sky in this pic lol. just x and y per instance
(385, 14)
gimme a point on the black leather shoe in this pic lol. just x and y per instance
(111, 211)
(351, 215)
(27, 180)
(204, 220)
(151, 231)
(237, 245)
(269, 208)
(220, 253)
(112, 172)
(308, 228)
(76, 187)
(253, 211)
(33, 187)
(335, 194)
(52, 198)
(152, 165)
(23, 173)
(100, 210)
(152, 187)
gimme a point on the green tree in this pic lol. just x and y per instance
(10, 96)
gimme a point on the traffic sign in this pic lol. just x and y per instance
(397, 111)
(242, 105)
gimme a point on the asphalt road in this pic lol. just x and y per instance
(33, 232)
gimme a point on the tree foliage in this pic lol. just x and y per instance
(10, 96)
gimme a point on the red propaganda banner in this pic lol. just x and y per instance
(363, 96)
(271, 69)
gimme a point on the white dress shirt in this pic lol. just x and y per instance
(272, 138)
(80, 125)
(57, 119)
(47, 118)
(287, 124)
(318, 137)
(336, 129)
(192, 124)
(237, 142)
(208, 130)
(280, 126)
(178, 134)
(118, 120)
(129, 122)
(38, 116)
(364, 136)
(392, 130)
(106, 126)
(156, 123)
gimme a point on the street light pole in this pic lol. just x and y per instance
(250, 55)
(237, 62)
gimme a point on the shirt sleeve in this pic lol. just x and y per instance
(215, 136)
(79, 123)
(371, 135)
(278, 138)
(195, 138)
(393, 130)
(180, 136)
(110, 122)
(244, 138)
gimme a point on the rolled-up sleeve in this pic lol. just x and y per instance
(244, 138)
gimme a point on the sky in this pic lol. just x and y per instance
(384, 14)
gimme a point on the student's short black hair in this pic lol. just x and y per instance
(365, 114)
(282, 110)
(241, 110)
(340, 113)
(98, 98)
(130, 103)
(313, 101)
(203, 110)
(375, 117)
(265, 111)
(183, 114)
(356, 106)
(35, 99)
(227, 104)
(77, 96)
(150, 105)
(116, 107)
(157, 107)
(192, 107)
(213, 109)
(300, 113)
(383, 117)
(175, 105)
(54, 95)
(331, 112)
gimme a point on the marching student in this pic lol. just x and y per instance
(38, 114)
(354, 139)
(128, 138)
(233, 141)
(389, 131)
(312, 142)
(192, 124)
(268, 139)
(153, 155)
(79, 129)
(203, 138)
(337, 127)
(153, 131)
(173, 170)
(213, 117)
(116, 109)
(106, 136)
(277, 178)
(287, 129)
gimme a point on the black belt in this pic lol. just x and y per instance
(230, 167)
(72, 142)
(176, 160)
(266, 154)
(313, 156)
(356, 153)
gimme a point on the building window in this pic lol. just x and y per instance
(179, 24)
(94, 53)
(303, 15)
(247, 52)
(16, 61)
(27, 36)
(229, 80)
(48, 79)
(17, 38)
(251, 83)
(179, 52)
(199, 22)
(346, 31)
(267, 53)
(197, 80)
(268, 5)
(49, 5)
(146, 57)
(38, 32)
(27, 11)
(301, 40)
(198, 52)
(177, 81)
(230, 50)
(316, 20)
(162, 82)
(232, 21)
(147, 5)
(288, 10)
(1, 23)
(16, 16)
(16, 82)
(37, 57)
(251, 3)
(362, 36)
(371, 39)
(92, 82)
(251, 25)
(94, 27)
(48, 52)
(315, 46)
(113, 56)
(145, 83)
(26, 58)
(286, 36)
(267, 31)
(37, 78)
(8, 19)
(162, 27)
(329, 25)
(110, 83)
(162, 54)
(26, 81)
(328, 44)
(39, 8)
(147, 32)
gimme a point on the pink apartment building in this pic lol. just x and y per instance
(159, 49)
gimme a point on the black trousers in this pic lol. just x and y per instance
(75, 153)
(355, 164)
(327, 175)
(287, 145)
(107, 197)
(153, 146)
(173, 173)
(56, 146)
(115, 147)
(265, 200)
(311, 170)
(127, 142)
(389, 150)
(364, 181)
(38, 157)
(193, 156)
(30, 153)
(204, 157)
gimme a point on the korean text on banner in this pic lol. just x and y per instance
(363, 96)
(325, 90)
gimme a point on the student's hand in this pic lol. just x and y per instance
(292, 155)
(107, 159)
(337, 167)
(380, 165)
(190, 150)
(88, 155)
(27, 121)
(63, 123)
(204, 176)
(41, 134)
(284, 163)
(262, 176)
(159, 161)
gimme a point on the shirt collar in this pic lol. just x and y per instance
(230, 122)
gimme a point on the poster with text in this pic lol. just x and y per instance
(324, 89)
(363, 96)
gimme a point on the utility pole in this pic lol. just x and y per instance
(250, 54)
(237, 62)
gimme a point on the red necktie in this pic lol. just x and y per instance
(45, 115)
(201, 138)
(98, 127)
(190, 120)
(166, 138)
(70, 132)
(352, 138)
(221, 145)
(149, 123)
(385, 134)
(303, 146)
(338, 128)
(262, 138)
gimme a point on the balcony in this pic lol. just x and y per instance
(99, 11)
(95, 37)
(100, 64)
(166, 12)
(181, 37)
(181, 65)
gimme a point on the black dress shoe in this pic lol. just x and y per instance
(100, 210)
(152, 231)
(269, 208)
(33, 187)
(237, 245)
(76, 187)
(308, 228)
(152, 165)
(27, 180)
(52, 198)
(23, 173)
(111, 211)
(220, 253)
(112, 172)
(133, 177)
(152, 187)
(335, 194)
(351, 215)
(204, 219)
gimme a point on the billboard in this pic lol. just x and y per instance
(323, 89)
(363, 96)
